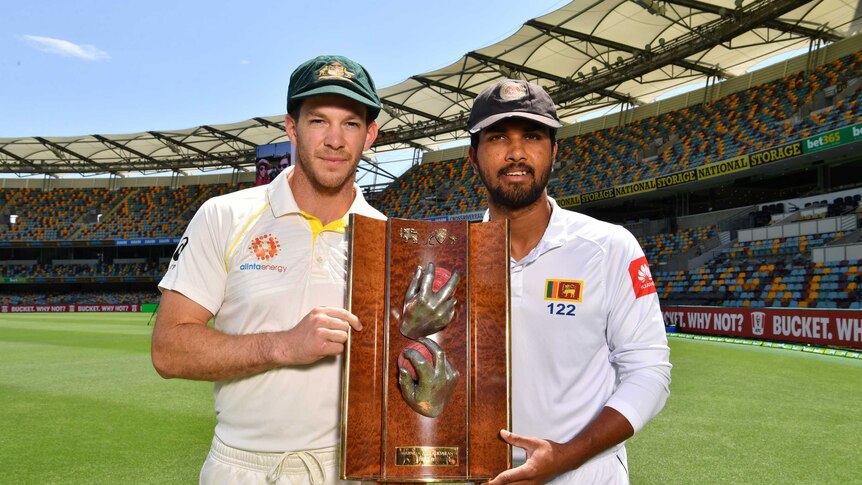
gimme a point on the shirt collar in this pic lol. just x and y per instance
(555, 234)
(553, 237)
(281, 201)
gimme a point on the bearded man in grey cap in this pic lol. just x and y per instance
(590, 361)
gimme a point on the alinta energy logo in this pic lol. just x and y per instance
(264, 247)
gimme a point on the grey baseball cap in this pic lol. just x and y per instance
(512, 98)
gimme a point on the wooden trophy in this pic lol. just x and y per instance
(426, 383)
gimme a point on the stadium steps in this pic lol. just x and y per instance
(849, 238)
(12, 200)
(106, 216)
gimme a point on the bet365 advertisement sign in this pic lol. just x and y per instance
(840, 328)
(832, 139)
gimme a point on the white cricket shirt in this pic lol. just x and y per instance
(587, 330)
(259, 264)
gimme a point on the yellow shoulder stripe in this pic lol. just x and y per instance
(241, 233)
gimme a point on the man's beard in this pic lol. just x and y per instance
(516, 197)
(323, 184)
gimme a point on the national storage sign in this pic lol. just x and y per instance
(775, 154)
(722, 168)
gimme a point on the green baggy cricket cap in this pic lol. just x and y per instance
(333, 75)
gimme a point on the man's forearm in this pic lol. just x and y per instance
(194, 351)
(606, 430)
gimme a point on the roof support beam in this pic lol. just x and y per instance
(769, 23)
(437, 84)
(228, 136)
(99, 168)
(270, 124)
(693, 66)
(410, 110)
(711, 35)
(426, 130)
(168, 141)
(143, 156)
(560, 81)
(22, 160)
(377, 168)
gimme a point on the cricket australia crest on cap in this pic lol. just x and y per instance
(335, 70)
(564, 290)
(511, 90)
(333, 75)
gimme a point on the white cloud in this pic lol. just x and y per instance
(66, 48)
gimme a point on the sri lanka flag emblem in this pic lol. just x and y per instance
(565, 290)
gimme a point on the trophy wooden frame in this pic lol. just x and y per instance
(383, 439)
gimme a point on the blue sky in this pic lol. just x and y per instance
(85, 66)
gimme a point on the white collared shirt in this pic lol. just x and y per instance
(582, 338)
(259, 264)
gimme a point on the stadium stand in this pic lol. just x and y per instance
(86, 214)
(833, 284)
(744, 122)
(63, 246)
(660, 247)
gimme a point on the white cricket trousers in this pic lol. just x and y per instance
(231, 466)
(609, 469)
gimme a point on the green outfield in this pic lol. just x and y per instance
(80, 403)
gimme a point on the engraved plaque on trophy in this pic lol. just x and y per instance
(426, 384)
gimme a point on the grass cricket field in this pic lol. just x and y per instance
(80, 403)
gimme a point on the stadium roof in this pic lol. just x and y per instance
(589, 54)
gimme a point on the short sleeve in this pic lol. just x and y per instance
(197, 266)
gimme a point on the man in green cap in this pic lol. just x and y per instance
(269, 265)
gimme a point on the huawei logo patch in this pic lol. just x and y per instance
(644, 275)
(642, 281)
(264, 247)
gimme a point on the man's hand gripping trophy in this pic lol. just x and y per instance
(427, 312)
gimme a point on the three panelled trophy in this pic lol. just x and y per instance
(426, 383)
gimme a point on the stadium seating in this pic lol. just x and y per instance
(746, 274)
(83, 270)
(760, 117)
(834, 284)
(780, 246)
(742, 122)
(658, 248)
(127, 213)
